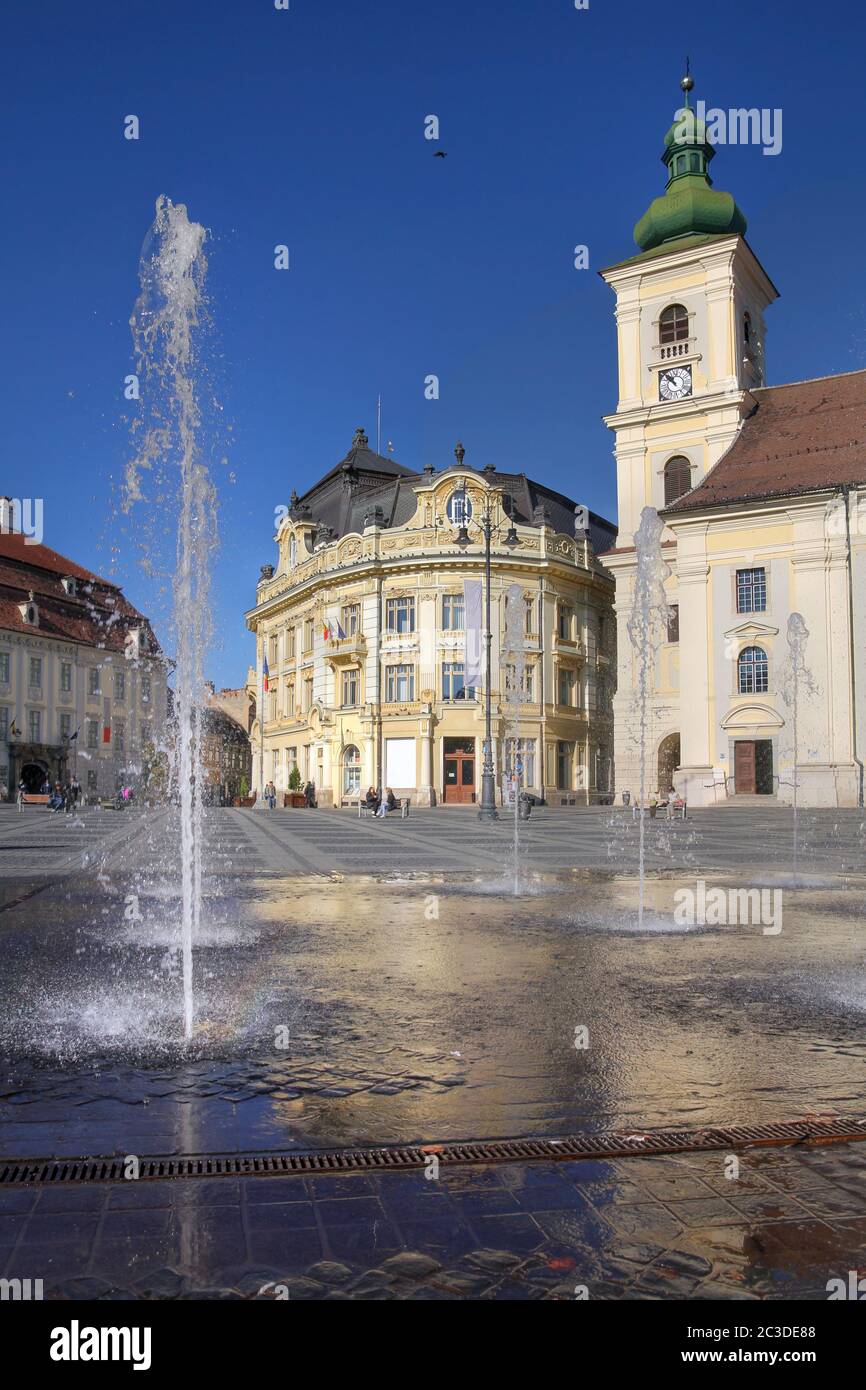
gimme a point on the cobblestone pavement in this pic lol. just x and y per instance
(38, 846)
(647, 1228)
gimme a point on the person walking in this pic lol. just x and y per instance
(22, 795)
(310, 794)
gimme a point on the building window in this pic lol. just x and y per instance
(400, 615)
(290, 644)
(120, 735)
(752, 591)
(674, 324)
(144, 733)
(93, 681)
(351, 688)
(91, 781)
(351, 771)
(753, 671)
(565, 766)
(454, 685)
(674, 623)
(511, 681)
(529, 623)
(66, 675)
(4, 723)
(36, 671)
(65, 724)
(272, 705)
(290, 700)
(308, 692)
(678, 478)
(120, 685)
(747, 328)
(453, 613)
(565, 689)
(399, 683)
(92, 734)
(293, 552)
(35, 724)
(520, 760)
(308, 634)
(4, 668)
(459, 508)
(145, 690)
(564, 619)
(350, 619)
(275, 651)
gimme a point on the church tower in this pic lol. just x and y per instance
(690, 348)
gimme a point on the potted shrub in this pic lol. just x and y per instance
(245, 800)
(294, 796)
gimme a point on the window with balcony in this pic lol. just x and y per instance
(400, 615)
(453, 613)
(350, 619)
(674, 325)
(752, 591)
(399, 683)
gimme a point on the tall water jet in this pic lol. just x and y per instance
(514, 658)
(647, 621)
(797, 681)
(165, 323)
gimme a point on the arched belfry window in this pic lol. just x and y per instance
(753, 671)
(678, 478)
(747, 328)
(674, 324)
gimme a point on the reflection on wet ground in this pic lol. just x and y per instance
(400, 1007)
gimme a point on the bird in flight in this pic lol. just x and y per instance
(440, 154)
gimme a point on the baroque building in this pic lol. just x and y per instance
(362, 624)
(82, 677)
(762, 492)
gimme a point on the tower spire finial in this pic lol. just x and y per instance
(687, 82)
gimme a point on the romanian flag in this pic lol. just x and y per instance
(333, 630)
(265, 671)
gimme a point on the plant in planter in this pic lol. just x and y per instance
(296, 796)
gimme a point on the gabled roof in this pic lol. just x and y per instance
(808, 436)
(97, 615)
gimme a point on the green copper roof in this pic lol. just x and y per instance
(689, 205)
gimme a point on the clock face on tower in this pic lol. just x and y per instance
(675, 383)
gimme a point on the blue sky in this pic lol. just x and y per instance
(306, 128)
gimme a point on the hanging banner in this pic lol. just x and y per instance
(472, 606)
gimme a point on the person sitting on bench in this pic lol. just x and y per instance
(389, 803)
(372, 800)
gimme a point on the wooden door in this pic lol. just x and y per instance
(744, 767)
(459, 778)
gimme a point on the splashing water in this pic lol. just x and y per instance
(797, 680)
(649, 615)
(168, 312)
(514, 656)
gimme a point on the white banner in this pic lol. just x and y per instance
(472, 620)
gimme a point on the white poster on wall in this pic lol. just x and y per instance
(400, 762)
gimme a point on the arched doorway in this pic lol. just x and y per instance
(668, 761)
(351, 770)
(33, 776)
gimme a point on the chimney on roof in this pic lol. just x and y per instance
(8, 520)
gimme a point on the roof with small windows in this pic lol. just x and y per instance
(807, 436)
(343, 498)
(97, 614)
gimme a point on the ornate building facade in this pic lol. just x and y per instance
(82, 677)
(362, 623)
(761, 489)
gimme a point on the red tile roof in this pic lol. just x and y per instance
(97, 615)
(807, 436)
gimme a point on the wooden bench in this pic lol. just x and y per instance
(402, 806)
(35, 798)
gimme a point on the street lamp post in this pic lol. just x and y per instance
(487, 810)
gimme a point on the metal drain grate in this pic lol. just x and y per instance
(48, 1171)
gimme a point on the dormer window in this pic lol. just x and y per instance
(674, 325)
(30, 611)
(70, 585)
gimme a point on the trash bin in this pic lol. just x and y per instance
(524, 806)
(626, 798)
